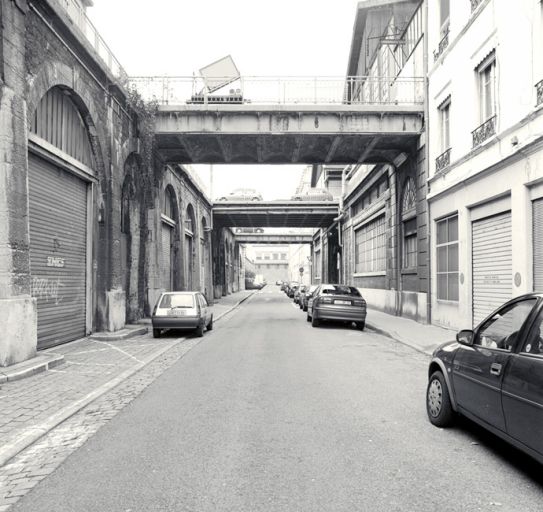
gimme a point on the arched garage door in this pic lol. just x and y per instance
(58, 251)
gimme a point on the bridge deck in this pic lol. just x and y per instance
(275, 214)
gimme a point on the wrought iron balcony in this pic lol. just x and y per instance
(443, 161)
(442, 45)
(485, 131)
(475, 4)
(539, 92)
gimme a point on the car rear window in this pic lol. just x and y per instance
(177, 301)
(341, 290)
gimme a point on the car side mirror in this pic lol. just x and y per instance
(465, 337)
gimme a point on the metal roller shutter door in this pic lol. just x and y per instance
(166, 259)
(537, 210)
(58, 251)
(492, 264)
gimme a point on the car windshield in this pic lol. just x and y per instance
(177, 301)
(337, 289)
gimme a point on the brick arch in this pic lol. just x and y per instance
(57, 74)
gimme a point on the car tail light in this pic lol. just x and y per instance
(325, 300)
(359, 303)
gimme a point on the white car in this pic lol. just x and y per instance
(182, 310)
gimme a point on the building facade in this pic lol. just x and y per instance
(379, 242)
(486, 124)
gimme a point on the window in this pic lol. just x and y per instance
(317, 265)
(447, 258)
(487, 78)
(275, 256)
(409, 244)
(444, 117)
(534, 341)
(444, 11)
(502, 329)
(370, 246)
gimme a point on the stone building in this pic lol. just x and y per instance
(485, 197)
(379, 242)
(93, 223)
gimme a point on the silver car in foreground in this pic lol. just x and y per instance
(337, 302)
(182, 310)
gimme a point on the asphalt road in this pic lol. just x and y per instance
(270, 414)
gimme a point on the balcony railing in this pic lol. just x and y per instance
(443, 161)
(353, 90)
(483, 132)
(79, 18)
(539, 93)
(475, 4)
(442, 45)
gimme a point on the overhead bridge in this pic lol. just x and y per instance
(286, 121)
(275, 214)
(264, 238)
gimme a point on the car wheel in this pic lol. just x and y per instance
(156, 333)
(301, 306)
(199, 330)
(315, 322)
(308, 318)
(210, 325)
(305, 308)
(438, 402)
(255, 199)
(360, 325)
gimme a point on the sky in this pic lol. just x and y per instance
(273, 38)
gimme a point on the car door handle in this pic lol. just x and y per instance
(495, 368)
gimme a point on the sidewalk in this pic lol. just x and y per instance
(422, 337)
(81, 371)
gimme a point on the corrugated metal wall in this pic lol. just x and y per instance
(58, 251)
(492, 264)
(537, 211)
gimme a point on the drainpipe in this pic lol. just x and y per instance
(427, 163)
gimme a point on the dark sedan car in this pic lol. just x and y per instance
(494, 375)
(337, 302)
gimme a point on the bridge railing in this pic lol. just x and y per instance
(79, 18)
(362, 90)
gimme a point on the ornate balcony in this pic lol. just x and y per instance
(443, 161)
(539, 92)
(442, 45)
(475, 4)
(483, 132)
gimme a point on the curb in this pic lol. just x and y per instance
(25, 369)
(387, 334)
(32, 434)
(124, 334)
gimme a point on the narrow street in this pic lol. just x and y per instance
(270, 414)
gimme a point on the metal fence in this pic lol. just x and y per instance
(79, 18)
(178, 90)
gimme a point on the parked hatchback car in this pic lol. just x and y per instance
(304, 297)
(337, 302)
(314, 194)
(292, 287)
(242, 194)
(299, 291)
(182, 310)
(493, 375)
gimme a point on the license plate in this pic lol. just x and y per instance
(343, 302)
(178, 312)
